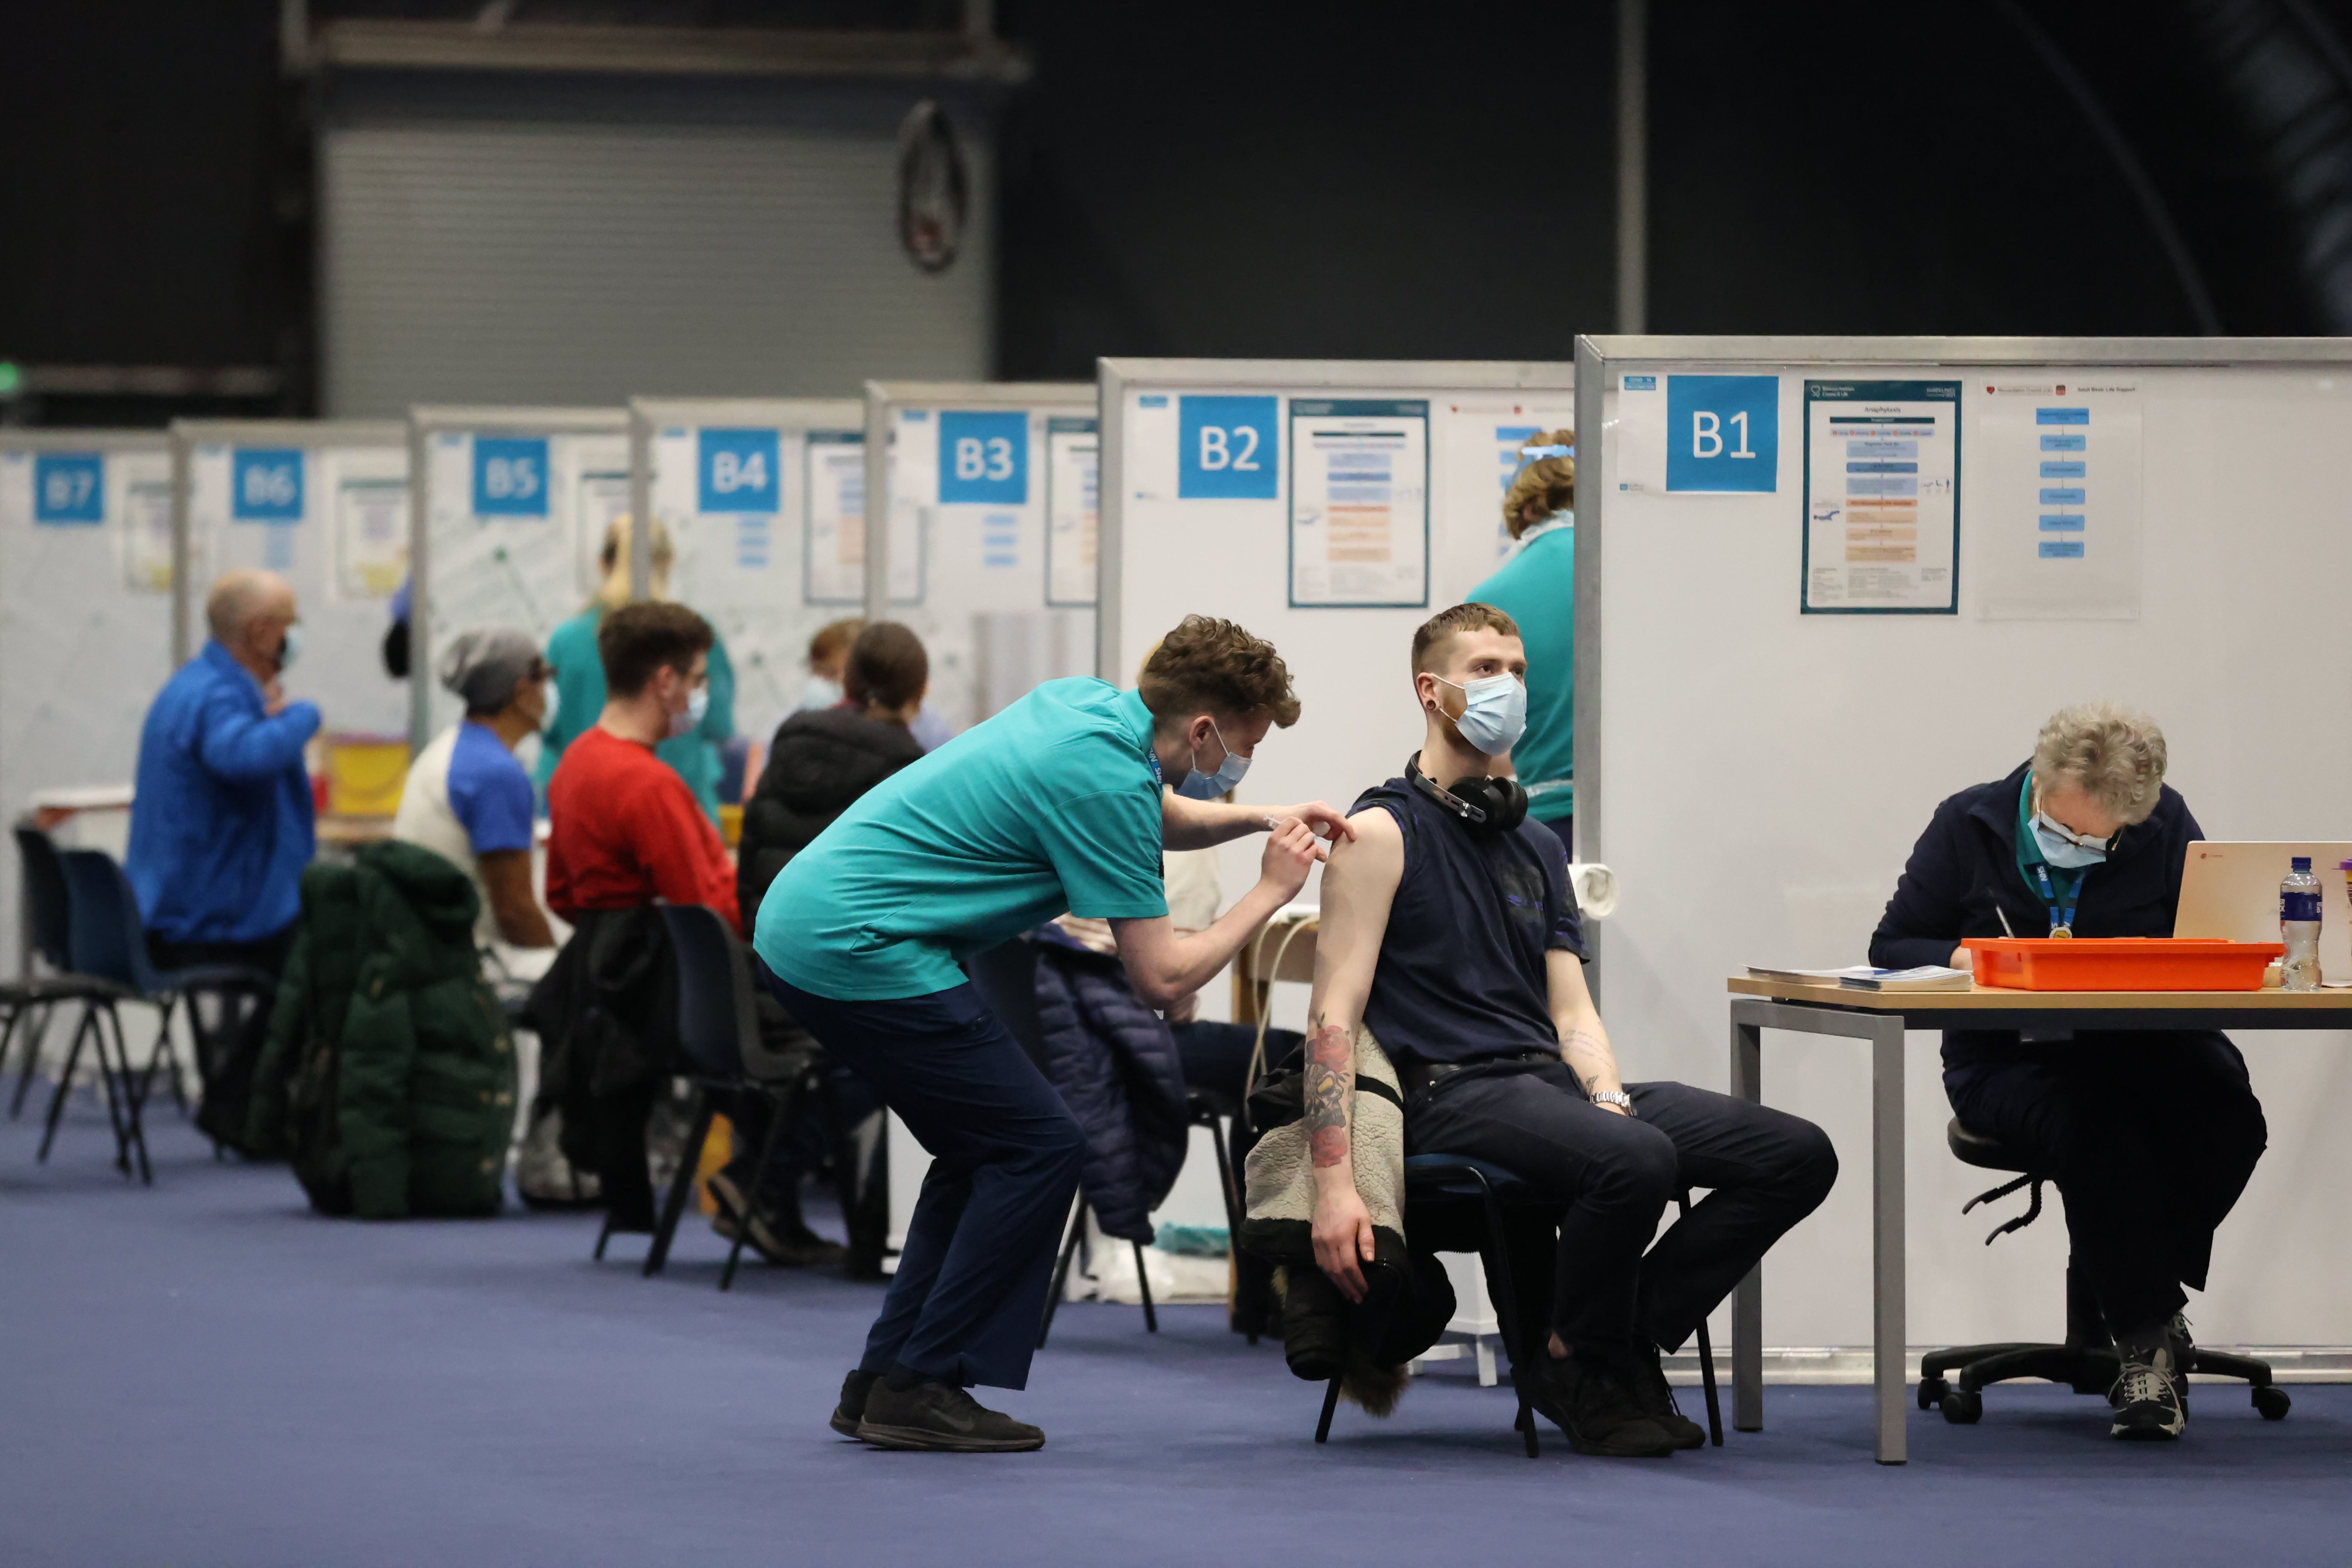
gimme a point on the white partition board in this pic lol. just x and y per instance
(1167, 553)
(760, 497)
(959, 548)
(85, 615)
(506, 520)
(1757, 775)
(325, 505)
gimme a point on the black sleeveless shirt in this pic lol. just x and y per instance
(1461, 973)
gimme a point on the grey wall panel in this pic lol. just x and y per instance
(539, 261)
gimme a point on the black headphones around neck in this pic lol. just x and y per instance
(1486, 805)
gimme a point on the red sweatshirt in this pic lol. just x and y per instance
(625, 830)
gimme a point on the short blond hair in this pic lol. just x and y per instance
(1550, 481)
(1430, 639)
(2113, 753)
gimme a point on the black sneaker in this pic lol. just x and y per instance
(852, 1408)
(2147, 1397)
(1595, 1403)
(943, 1417)
(1657, 1400)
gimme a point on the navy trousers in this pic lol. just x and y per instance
(970, 1293)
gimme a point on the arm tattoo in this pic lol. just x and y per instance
(1330, 1080)
(1580, 1042)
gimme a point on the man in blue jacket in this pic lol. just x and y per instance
(221, 824)
(2150, 1134)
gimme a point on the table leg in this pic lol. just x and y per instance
(1747, 1295)
(1889, 1348)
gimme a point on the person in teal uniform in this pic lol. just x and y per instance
(1537, 589)
(579, 686)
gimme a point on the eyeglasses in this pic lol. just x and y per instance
(2100, 841)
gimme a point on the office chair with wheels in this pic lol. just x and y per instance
(2087, 1362)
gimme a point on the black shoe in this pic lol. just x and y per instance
(1594, 1403)
(852, 1408)
(1657, 1399)
(2146, 1397)
(944, 1418)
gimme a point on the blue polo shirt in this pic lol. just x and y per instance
(1050, 807)
(220, 824)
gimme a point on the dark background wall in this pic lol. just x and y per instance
(1353, 179)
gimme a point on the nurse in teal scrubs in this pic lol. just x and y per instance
(580, 677)
(1537, 589)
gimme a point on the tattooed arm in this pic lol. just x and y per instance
(1583, 1041)
(1359, 884)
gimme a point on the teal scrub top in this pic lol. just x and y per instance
(580, 697)
(1053, 806)
(1537, 589)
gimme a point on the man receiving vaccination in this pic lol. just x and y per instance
(1054, 806)
(1450, 934)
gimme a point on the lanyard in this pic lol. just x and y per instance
(2060, 899)
(1153, 758)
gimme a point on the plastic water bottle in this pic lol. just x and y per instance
(2299, 926)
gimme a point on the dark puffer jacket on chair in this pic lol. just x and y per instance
(1116, 1066)
(818, 765)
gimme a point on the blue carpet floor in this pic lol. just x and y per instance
(208, 1373)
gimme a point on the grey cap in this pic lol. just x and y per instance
(483, 667)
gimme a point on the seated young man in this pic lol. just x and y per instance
(1449, 933)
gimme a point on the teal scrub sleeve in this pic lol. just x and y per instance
(1105, 848)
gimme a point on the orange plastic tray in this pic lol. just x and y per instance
(2121, 963)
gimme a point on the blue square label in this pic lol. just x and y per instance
(1226, 448)
(69, 488)
(265, 484)
(737, 471)
(509, 476)
(984, 458)
(1723, 431)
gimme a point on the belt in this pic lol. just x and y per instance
(1419, 1075)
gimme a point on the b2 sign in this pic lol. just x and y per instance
(509, 476)
(69, 488)
(985, 459)
(737, 469)
(1723, 431)
(1226, 450)
(266, 485)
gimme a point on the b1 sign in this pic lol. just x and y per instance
(1723, 431)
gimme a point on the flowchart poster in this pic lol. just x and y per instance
(1359, 502)
(1882, 498)
(2060, 503)
(833, 569)
(1072, 454)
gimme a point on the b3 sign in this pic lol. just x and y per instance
(737, 470)
(985, 459)
(1226, 450)
(509, 476)
(265, 484)
(1723, 431)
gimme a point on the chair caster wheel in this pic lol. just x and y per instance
(1964, 1407)
(2273, 1402)
(1932, 1391)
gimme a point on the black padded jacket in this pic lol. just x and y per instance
(821, 760)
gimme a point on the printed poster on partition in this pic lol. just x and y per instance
(1882, 498)
(1359, 502)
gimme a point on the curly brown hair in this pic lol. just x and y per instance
(1212, 666)
(1548, 481)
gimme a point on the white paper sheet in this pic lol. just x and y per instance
(1359, 501)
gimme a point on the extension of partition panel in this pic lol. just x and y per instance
(979, 532)
(506, 517)
(1824, 583)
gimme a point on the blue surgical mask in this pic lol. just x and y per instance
(820, 692)
(554, 695)
(697, 706)
(1198, 786)
(1497, 715)
(290, 649)
(2061, 848)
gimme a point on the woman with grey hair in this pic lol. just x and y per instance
(2150, 1134)
(466, 798)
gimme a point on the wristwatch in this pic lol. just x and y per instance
(1616, 1097)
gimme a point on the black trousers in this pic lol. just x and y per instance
(2150, 1136)
(1765, 1168)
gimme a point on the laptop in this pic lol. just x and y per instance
(2230, 890)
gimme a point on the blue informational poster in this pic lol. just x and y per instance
(736, 471)
(984, 458)
(1723, 433)
(509, 476)
(266, 485)
(68, 490)
(1227, 449)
